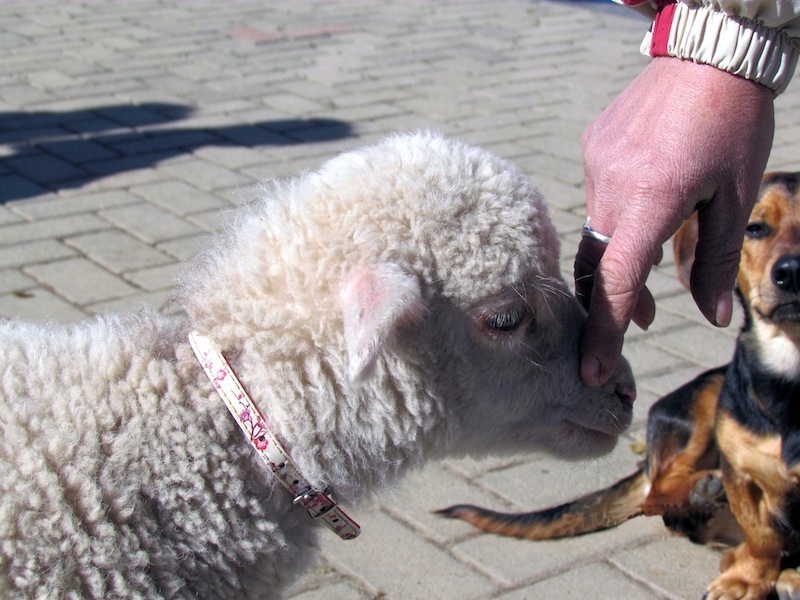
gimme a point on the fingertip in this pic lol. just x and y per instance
(591, 370)
(645, 312)
(659, 256)
(723, 310)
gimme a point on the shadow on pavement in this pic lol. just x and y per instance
(50, 151)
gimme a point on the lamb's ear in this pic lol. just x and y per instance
(376, 302)
(683, 244)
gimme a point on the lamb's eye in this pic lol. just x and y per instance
(757, 231)
(506, 321)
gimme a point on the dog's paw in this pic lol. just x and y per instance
(745, 578)
(729, 587)
(788, 585)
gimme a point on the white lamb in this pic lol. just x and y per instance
(401, 304)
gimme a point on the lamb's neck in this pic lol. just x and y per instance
(353, 439)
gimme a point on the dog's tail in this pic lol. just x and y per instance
(599, 510)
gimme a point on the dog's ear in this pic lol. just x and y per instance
(684, 243)
(376, 302)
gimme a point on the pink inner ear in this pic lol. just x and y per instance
(367, 297)
(375, 302)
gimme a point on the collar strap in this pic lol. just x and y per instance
(320, 504)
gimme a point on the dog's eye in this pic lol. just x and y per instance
(757, 231)
(507, 320)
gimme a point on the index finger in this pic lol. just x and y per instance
(618, 293)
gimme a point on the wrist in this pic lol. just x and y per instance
(741, 47)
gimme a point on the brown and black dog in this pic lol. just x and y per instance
(723, 451)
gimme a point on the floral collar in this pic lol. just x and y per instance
(320, 504)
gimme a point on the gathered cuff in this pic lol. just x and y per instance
(739, 46)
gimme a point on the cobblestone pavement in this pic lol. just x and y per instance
(126, 126)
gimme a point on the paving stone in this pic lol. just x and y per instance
(14, 282)
(155, 142)
(14, 187)
(159, 299)
(7, 216)
(50, 79)
(424, 492)
(647, 358)
(120, 180)
(24, 94)
(515, 562)
(472, 468)
(77, 203)
(231, 156)
(701, 344)
(41, 305)
(337, 591)
(661, 383)
(323, 579)
(592, 581)
(550, 481)
(178, 197)
(80, 280)
(30, 253)
(678, 304)
(673, 565)
(78, 151)
(291, 104)
(209, 220)
(119, 252)
(409, 561)
(44, 168)
(155, 278)
(203, 174)
(186, 247)
(22, 233)
(149, 222)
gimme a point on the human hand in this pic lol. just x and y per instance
(682, 137)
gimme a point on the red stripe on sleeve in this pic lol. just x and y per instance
(661, 28)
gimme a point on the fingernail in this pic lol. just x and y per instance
(723, 310)
(590, 370)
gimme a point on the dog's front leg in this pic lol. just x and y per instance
(750, 570)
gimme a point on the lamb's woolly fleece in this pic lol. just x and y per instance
(349, 302)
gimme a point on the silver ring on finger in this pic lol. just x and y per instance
(588, 232)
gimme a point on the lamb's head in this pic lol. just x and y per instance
(409, 294)
(455, 270)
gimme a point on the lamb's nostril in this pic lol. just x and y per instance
(625, 392)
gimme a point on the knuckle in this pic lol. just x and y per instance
(619, 282)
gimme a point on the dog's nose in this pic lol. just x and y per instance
(786, 273)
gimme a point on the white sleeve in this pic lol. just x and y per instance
(754, 39)
(778, 14)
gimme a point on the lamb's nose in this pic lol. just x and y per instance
(786, 273)
(625, 392)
